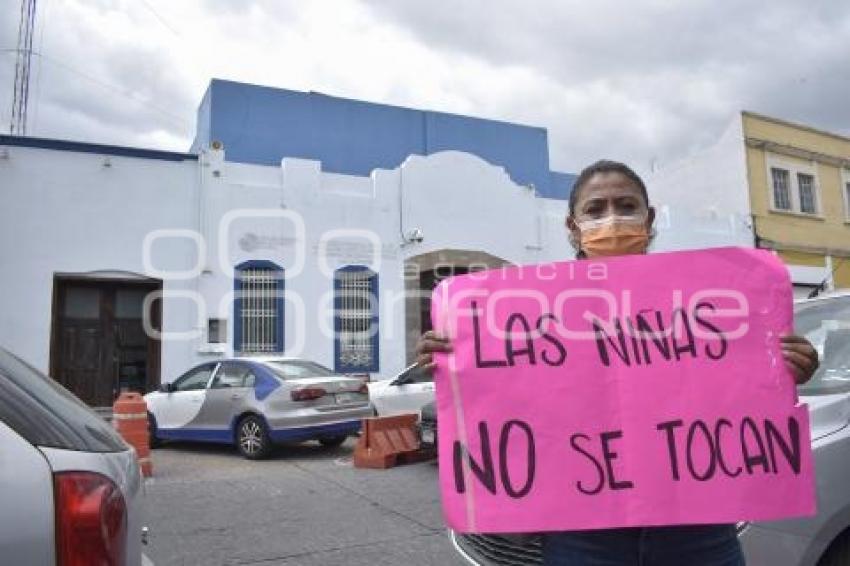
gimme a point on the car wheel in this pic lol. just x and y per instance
(153, 440)
(838, 553)
(332, 441)
(252, 438)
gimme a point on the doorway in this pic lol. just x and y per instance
(98, 340)
(423, 273)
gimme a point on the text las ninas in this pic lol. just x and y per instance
(641, 339)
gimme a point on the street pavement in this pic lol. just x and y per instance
(307, 505)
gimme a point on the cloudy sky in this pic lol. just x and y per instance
(641, 81)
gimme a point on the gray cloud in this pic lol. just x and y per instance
(641, 81)
(85, 90)
(685, 67)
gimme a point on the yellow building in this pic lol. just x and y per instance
(799, 189)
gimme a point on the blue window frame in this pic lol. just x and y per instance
(258, 307)
(356, 320)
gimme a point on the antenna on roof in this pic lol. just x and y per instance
(20, 97)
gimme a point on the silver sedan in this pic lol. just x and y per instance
(71, 489)
(256, 402)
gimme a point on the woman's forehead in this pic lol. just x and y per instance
(608, 185)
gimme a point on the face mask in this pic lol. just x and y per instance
(614, 235)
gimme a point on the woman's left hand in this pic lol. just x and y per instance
(800, 356)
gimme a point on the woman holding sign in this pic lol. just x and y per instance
(610, 215)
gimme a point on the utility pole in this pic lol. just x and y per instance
(26, 28)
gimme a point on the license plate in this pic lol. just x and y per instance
(343, 398)
(427, 436)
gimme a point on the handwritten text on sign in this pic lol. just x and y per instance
(640, 390)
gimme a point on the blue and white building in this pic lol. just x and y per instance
(298, 223)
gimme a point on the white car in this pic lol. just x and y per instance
(407, 392)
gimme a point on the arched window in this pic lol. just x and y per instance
(258, 308)
(355, 319)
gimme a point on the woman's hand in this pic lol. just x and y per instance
(800, 356)
(429, 343)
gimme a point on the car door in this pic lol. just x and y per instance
(229, 394)
(183, 403)
(410, 391)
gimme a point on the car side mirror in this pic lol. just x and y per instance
(166, 387)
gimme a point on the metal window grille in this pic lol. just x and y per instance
(259, 314)
(355, 310)
(781, 191)
(806, 185)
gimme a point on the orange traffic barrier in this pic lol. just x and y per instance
(389, 441)
(130, 419)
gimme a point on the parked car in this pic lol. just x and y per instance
(71, 489)
(256, 402)
(822, 540)
(407, 392)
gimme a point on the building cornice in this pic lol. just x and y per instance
(803, 248)
(795, 125)
(798, 152)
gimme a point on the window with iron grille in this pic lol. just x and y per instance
(806, 185)
(258, 308)
(781, 189)
(356, 320)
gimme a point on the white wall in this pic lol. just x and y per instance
(65, 212)
(457, 200)
(703, 200)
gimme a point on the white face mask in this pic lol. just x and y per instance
(609, 220)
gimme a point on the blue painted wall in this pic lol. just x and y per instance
(262, 125)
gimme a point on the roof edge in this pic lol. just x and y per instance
(797, 125)
(543, 129)
(96, 148)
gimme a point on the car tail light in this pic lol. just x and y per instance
(91, 520)
(364, 389)
(307, 394)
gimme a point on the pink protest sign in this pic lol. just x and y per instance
(630, 391)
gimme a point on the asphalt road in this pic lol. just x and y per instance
(306, 505)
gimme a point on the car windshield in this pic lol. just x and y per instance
(296, 369)
(826, 323)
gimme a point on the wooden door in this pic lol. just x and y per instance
(84, 355)
(99, 341)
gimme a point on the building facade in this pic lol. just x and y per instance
(299, 224)
(125, 266)
(779, 185)
(799, 188)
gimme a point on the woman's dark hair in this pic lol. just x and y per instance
(605, 166)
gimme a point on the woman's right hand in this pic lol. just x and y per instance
(429, 343)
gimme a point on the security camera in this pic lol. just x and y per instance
(415, 235)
